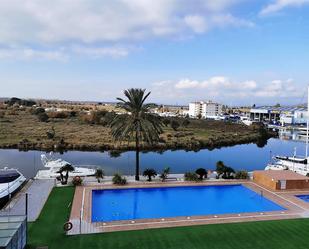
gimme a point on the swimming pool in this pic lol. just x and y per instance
(162, 202)
(303, 197)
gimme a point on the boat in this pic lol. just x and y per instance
(55, 165)
(298, 164)
(11, 181)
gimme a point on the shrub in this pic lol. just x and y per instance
(166, 121)
(77, 181)
(185, 123)
(150, 173)
(51, 134)
(189, 176)
(175, 125)
(43, 117)
(242, 174)
(165, 173)
(202, 173)
(119, 180)
(38, 110)
(99, 174)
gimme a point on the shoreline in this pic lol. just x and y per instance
(258, 139)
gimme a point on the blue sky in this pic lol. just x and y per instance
(232, 51)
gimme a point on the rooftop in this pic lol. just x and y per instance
(282, 174)
(281, 108)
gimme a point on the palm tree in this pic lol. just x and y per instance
(99, 174)
(150, 173)
(66, 168)
(138, 124)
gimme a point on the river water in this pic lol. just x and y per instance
(247, 157)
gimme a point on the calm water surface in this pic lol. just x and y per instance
(248, 156)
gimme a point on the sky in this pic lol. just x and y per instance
(237, 52)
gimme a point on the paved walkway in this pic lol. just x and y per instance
(38, 192)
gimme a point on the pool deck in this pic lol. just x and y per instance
(81, 208)
(38, 192)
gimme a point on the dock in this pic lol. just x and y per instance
(38, 192)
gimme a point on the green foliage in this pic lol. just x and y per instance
(242, 174)
(77, 181)
(99, 174)
(38, 110)
(175, 124)
(18, 101)
(166, 121)
(185, 122)
(119, 180)
(66, 168)
(165, 173)
(190, 176)
(224, 171)
(202, 173)
(150, 173)
(43, 117)
(51, 134)
(138, 124)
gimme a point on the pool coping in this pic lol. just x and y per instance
(81, 209)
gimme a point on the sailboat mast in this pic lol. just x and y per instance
(307, 130)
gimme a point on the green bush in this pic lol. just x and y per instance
(43, 117)
(202, 173)
(77, 181)
(242, 174)
(189, 176)
(150, 173)
(119, 180)
(99, 174)
(165, 173)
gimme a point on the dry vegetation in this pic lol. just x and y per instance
(84, 128)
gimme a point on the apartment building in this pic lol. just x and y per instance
(204, 109)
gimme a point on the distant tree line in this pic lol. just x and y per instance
(24, 102)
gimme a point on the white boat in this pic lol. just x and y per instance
(298, 164)
(55, 165)
(10, 182)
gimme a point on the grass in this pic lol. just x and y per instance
(47, 230)
(18, 125)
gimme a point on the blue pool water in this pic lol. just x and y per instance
(144, 203)
(303, 197)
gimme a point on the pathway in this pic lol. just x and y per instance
(38, 192)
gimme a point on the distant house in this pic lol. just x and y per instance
(204, 109)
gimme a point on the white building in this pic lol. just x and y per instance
(206, 109)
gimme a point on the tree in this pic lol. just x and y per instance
(185, 123)
(202, 173)
(138, 124)
(149, 173)
(66, 168)
(175, 125)
(224, 171)
(99, 174)
(165, 174)
(166, 121)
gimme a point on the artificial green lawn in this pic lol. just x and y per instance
(47, 230)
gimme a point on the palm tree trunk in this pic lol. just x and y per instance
(137, 156)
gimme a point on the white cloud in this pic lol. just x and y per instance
(222, 88)
(63, 53)
(278, 5)
(92, 21)
(196, 22)
(29, 54)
